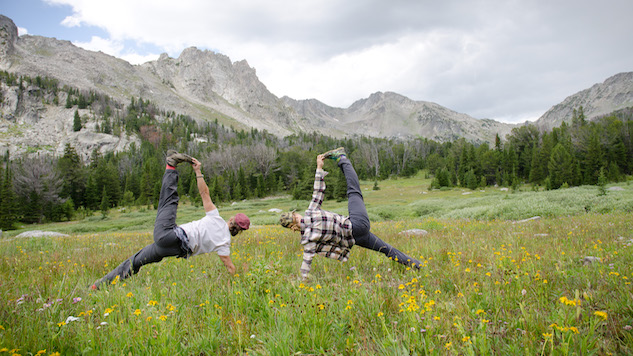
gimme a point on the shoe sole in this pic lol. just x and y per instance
(329, 154)
(176, 158)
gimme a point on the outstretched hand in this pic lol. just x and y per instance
(319, 161)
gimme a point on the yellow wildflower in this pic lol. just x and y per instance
(601, 314)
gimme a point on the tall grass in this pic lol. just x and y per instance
(488, 285)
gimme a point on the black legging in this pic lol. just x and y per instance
(360, 219)
(166, 243)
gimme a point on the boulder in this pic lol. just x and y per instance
(40, 233)
(590, 259)
(413, 232)
(528, 219)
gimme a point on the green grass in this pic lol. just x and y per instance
(488, 285)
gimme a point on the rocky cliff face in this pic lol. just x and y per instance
(29, 125)
(208, 86)
(613, 94)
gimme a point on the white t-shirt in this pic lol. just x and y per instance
(209, 234)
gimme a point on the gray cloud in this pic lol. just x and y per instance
(505, 60)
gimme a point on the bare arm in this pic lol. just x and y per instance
(203, 189)
(228, 263)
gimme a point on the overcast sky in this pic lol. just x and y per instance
(505, 60)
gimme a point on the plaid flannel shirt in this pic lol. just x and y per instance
(323, 232)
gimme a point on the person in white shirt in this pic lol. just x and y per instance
(209, 234)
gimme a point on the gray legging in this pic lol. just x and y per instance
(360, 219)
(166, 243)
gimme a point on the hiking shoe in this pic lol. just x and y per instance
(335, 154)
(174, 158)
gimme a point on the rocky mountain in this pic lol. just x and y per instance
(207, 86)
(613, 94)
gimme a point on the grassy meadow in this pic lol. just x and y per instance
(489, 284)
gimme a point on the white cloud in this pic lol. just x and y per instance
(71, 21)
(116, 49)
(135, 58)
(113, 48)
(489, 59)
(22, 31)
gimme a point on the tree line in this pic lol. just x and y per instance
(245, 164)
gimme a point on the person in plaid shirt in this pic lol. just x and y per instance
(333, 235)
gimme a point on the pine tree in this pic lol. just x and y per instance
(304, 187)
(77, 122)
(593, 159)
(74, 175)
(602, 183)
(32, 210)
(561, 169)
(471, 180)
(7, 201)
(128, 199)
(338, 185)
(578, 118)
(613, 172)
(280, 184)
(92, 195)
(69, 101)
(105, 203)
(243, 192)
(261, 187)
(195, 196)
(81, 102)
(443, 178)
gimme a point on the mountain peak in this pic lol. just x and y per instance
(8, 35)
(206, 85)
(615, 93)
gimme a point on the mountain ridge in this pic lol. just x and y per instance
(207, 85)
(614, 93)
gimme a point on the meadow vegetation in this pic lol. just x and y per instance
(489, 284)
